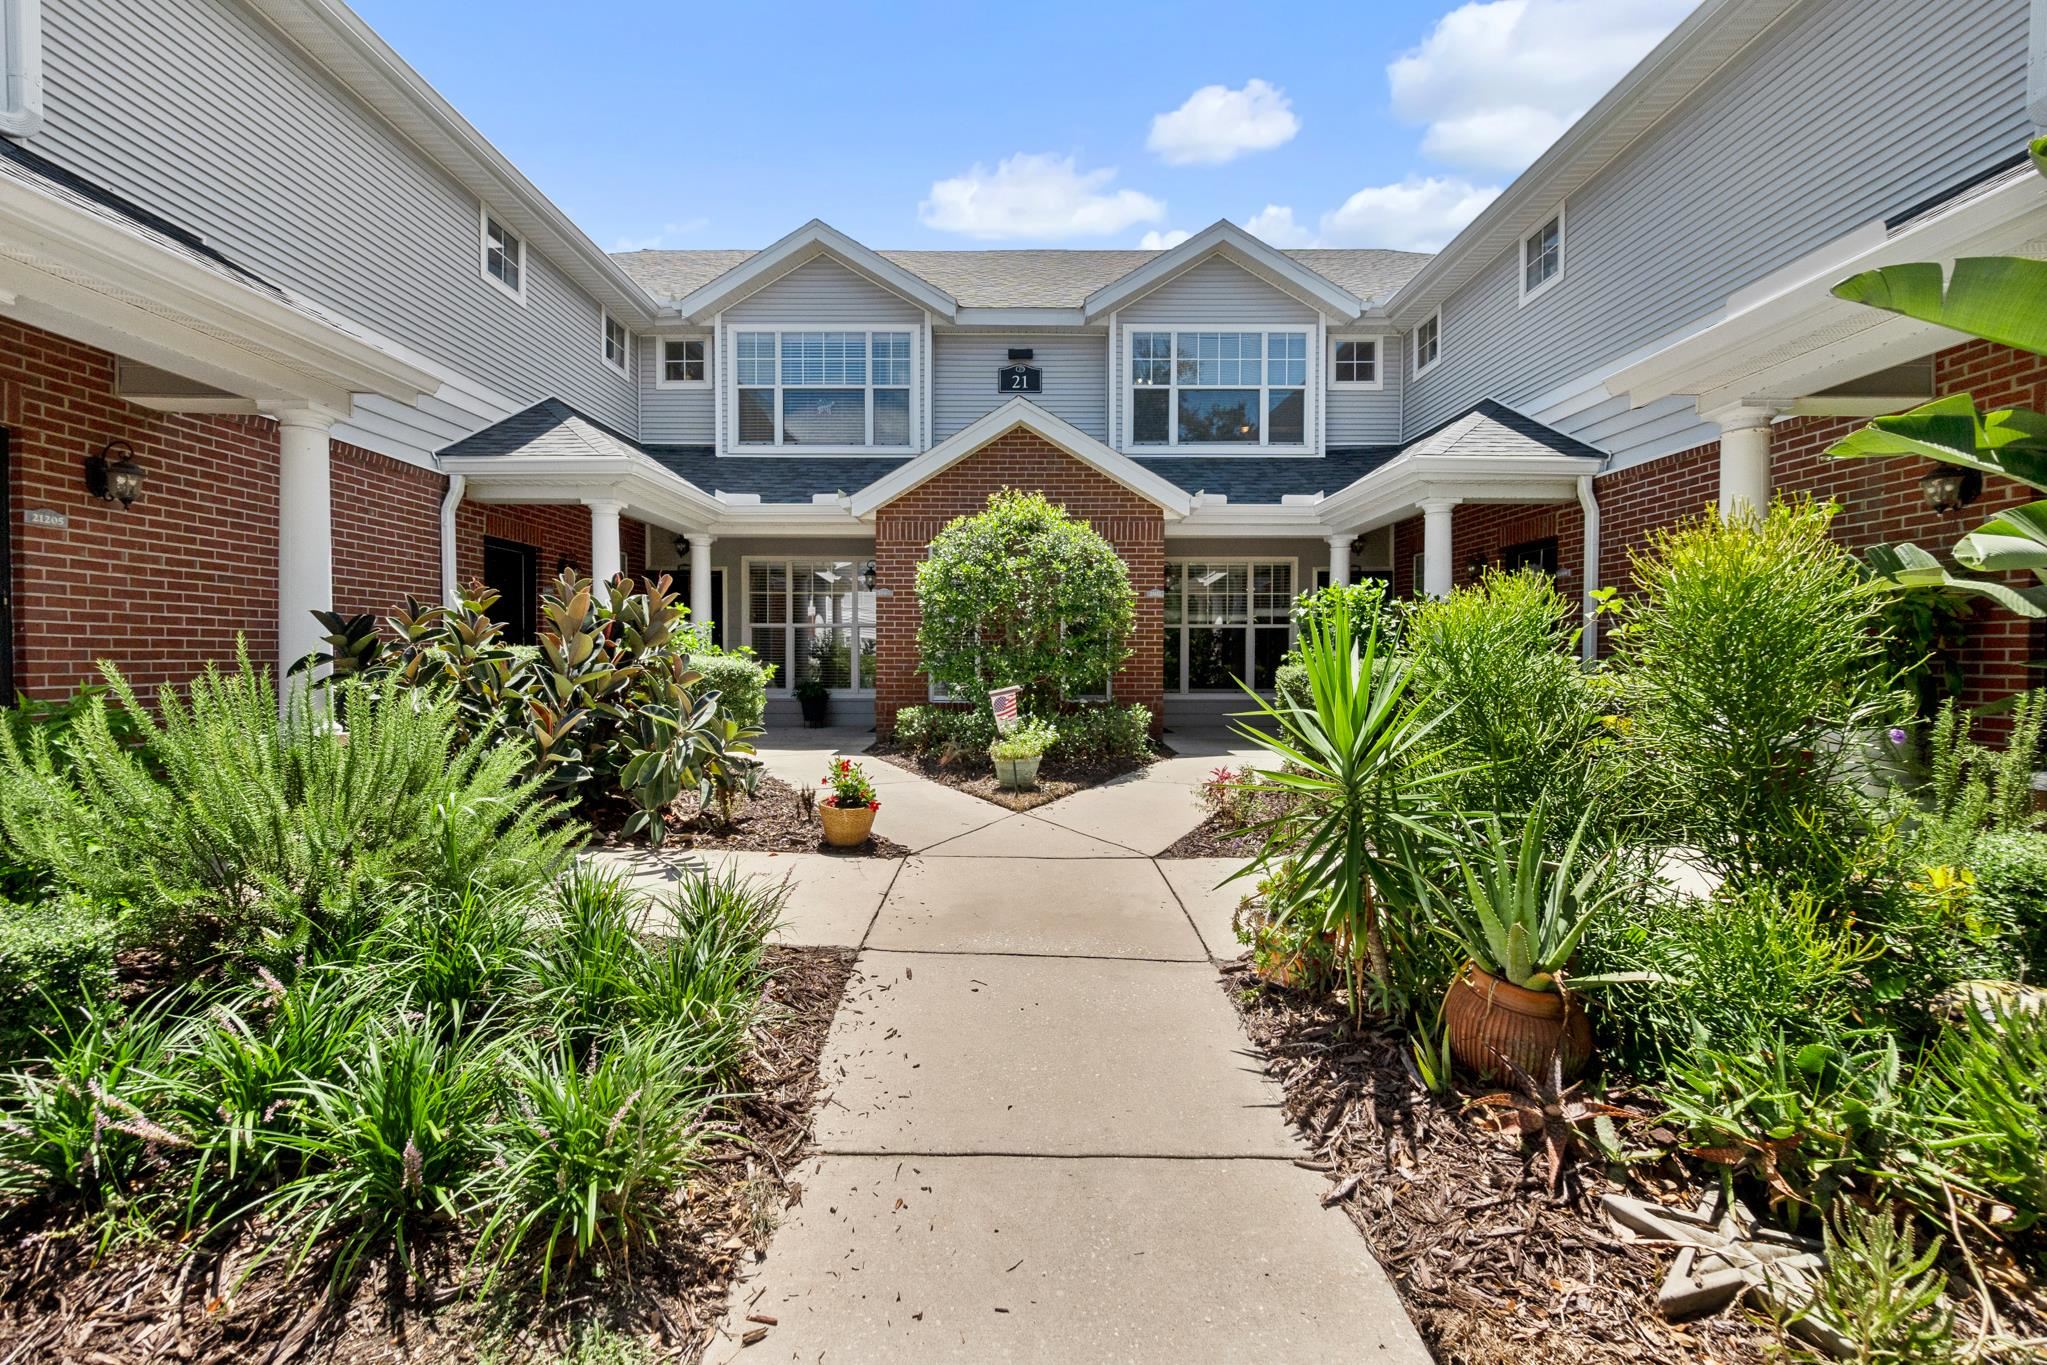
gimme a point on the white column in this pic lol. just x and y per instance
(305, 532)
(703, 607)
(605, 559)
(1438, 574)
(1744, 460)
(1339, 561)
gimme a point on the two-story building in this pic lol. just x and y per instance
(279, 330)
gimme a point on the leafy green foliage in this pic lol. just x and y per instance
(54, 956)
(1880, 1293)
(1104, 731)
(2010, 870)
(1989, 1075)
(1364, 604)
(1030, 739)
(741, 684)
(1022, 594)
(1749, 662)
(1972, 789)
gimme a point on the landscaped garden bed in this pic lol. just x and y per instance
(777, 818)
(1056, 777)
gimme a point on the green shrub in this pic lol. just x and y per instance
(1104, 732)
(1364, 604)
(917, 728)
(239, 823)
(1499, 660)
(464, 954)
(54, 957)
(55, 722)
(1972, 789)
(1023, 594)
(1754, 670)
(2011, 880)
(741, 685)
(1290, 686)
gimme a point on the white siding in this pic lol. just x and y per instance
(1367, 417)
(1846, 112)
(1075, 378)
(678, 416)
(193, 109)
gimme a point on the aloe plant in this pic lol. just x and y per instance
(1520, 917)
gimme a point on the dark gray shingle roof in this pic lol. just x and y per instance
(1037, 278)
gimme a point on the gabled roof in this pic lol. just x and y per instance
(1021, 412)
(1226, 239)
(814, 239)
(1494, 429)
(549, 428)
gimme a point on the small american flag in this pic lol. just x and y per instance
(1003, 700)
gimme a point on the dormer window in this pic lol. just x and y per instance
(21, 67)
(836, 390)
(504, 257)
(1542, 257)
(1218, 389)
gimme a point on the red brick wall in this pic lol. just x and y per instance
(1479, 531)
(560, 531)
(161, 587)
(387, 531)
(1019, 459)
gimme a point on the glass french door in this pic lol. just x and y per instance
(1225, 620)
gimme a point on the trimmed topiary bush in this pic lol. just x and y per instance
(1101, 732)
(741, 685)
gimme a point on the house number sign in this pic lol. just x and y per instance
(1020, 379)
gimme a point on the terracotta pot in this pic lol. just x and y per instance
(846, 827)
(1489, 1018)
(1018, 774)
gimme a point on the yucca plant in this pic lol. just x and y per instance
(1521, 917)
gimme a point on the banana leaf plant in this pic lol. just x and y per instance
(2001, 299)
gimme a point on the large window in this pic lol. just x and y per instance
(830, 389)
(1218, 388)
(813, 618)
(1225, 620)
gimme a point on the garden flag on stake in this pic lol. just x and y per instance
(1003, 700)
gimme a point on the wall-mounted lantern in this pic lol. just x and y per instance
(1948, 489)
(113, 474)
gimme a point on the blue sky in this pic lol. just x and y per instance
(1040, 124)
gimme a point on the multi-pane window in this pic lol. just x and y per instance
(682, 360)
(823, 388)
(1428, 342)
(1225, 620)
(813, 618)
(504, 255)
(1542, 255)
(1218, 388)
(615, 342)
(1357, 362)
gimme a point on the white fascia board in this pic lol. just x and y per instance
(1800, 326)
(1395, 489)
(797, 519)
(1240, 247)
(1247, 521)
(1020, 412)
(815, 238)
(1020, 317)
(56, 248)
(650, 491)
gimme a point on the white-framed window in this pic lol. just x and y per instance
(504, 256)
(820, 389)
(682, 362)
(21, 67)
(1428, 342)
(617, 344)
(1227, 619)
(1218, 389)
(813, 618)
(1354, 363)
(1542, 256)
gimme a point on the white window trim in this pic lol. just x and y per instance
(1380, 350)
(483, 217)
(1250, 644)
(624, 363)
(1528, 295)
(787, 673)
(1416, 348)
(660, 345)
(21, 78)
(731, 386)
(1311, 393)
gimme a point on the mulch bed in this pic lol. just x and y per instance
(774, 821)
(156, 1304)
(1056, 777)
(1215, 837)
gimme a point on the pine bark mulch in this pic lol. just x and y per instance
(774, 821)
(1215, 837)
(1056, 777)
(161, 1303)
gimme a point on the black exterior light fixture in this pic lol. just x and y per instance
(1948, 489)
(867, 577)
(113, 474)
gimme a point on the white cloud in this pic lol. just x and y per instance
(1036, 195)
(666, 237)
(1274, 225)
(1163, 241)
(1498, 80)
(1418, 214)
(1218, 124)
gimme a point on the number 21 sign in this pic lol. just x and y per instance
(1020, 379)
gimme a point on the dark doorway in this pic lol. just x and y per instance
(717, 601)
(513, 570)
(6, 570)
(1531, 554)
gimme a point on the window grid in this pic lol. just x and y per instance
(1542, 255)
(823, 388)
(682, 360)
(812, 618)
(616, 344)
(504, 255)
(1428, 342)
(1357, 362)
(1244, 388)
(1226, 620)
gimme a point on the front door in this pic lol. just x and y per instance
(513, 571)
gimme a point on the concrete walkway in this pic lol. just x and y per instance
(1042, 1137)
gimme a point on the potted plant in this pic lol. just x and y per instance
(1018, 753)
(1519, 919)
(848, 813)
(816, 700)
